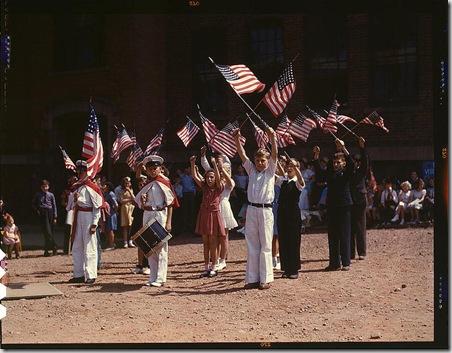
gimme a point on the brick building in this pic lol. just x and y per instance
(150, 70)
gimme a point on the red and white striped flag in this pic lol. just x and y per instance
(68, 163)
(136, 154)
(375, 119)
(92, 148)
(345, 119)
(322, 121)
(241, 78)
(301, 127)
(279, 95)
(330, 123)
(122, 142)
(154, 143)
(261, 137)
(188, 132)
(283, 136)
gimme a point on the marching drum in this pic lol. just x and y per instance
(151, 237)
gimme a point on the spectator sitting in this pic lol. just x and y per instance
(429, 201)
(405, 198)
(11, 236)
(388, 202)
(371, 196)
(413, 178)
(418, 196)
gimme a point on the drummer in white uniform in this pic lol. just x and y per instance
(157, 200)
(86, 201)
(224, 165)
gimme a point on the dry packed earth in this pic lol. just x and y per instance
(387, 297)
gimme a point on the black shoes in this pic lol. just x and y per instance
(55, 252)
(46, 253)
(332, 268)
(90, 281)
(77, 280)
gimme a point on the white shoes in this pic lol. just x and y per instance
(125, 245)
(154, 284)
(146, 271)
(395, 219)
(221, 265)
(276, 263)
(402, 222)
(131, 244)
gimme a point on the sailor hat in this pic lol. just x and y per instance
(153, 160)
(81, 164)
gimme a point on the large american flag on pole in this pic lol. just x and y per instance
(261, 137)
(68, 163)
(283, 137)
(345, 119)
(375, 119)
(188, 132)
(241, 78)
(92, 148)
(155, 142)
(136, 154)
(279, 95)
(301, 127)
(122, 142)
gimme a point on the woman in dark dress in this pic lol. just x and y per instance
(289, 219)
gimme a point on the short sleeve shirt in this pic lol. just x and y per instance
(261, 184)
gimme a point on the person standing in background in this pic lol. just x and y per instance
(45, 206)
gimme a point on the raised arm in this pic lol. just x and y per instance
(204, 162)
(300, 179)
(217, 173)
(227, 178)
(272, 137)
(238, 145)
(194, 174)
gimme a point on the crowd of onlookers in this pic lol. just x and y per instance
(391, 202)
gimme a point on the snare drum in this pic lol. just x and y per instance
(151, 237)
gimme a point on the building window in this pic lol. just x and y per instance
(267, 49)
(209, 85)
(79, 41)
(394, 58)
(326, 64)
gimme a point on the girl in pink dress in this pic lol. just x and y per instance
(210, 222)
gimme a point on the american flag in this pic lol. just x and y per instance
(279, 95)
(136, 154)
(283, 137)
(220, 141)
(344, 119)
(330, 123)
(241, 78)
(322, 121)
(68, 163)
(122, 142)
(375, 119)
(261, 137)
(301, 127)
(92, 148)
(154, 143)
(188, 132)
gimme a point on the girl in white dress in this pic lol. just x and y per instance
(405, 197)
(418, 196)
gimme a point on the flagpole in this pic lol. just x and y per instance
(345, 127)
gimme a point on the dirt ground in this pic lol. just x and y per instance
(387, 297)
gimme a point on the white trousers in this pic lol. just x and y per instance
(259, 236)
(158, 263)
(84, 248)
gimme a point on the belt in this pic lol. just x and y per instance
(152, 208)
(260, 205)
(85, 209)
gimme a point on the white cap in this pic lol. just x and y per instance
(153, 160)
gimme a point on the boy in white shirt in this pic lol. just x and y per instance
(259, 218)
